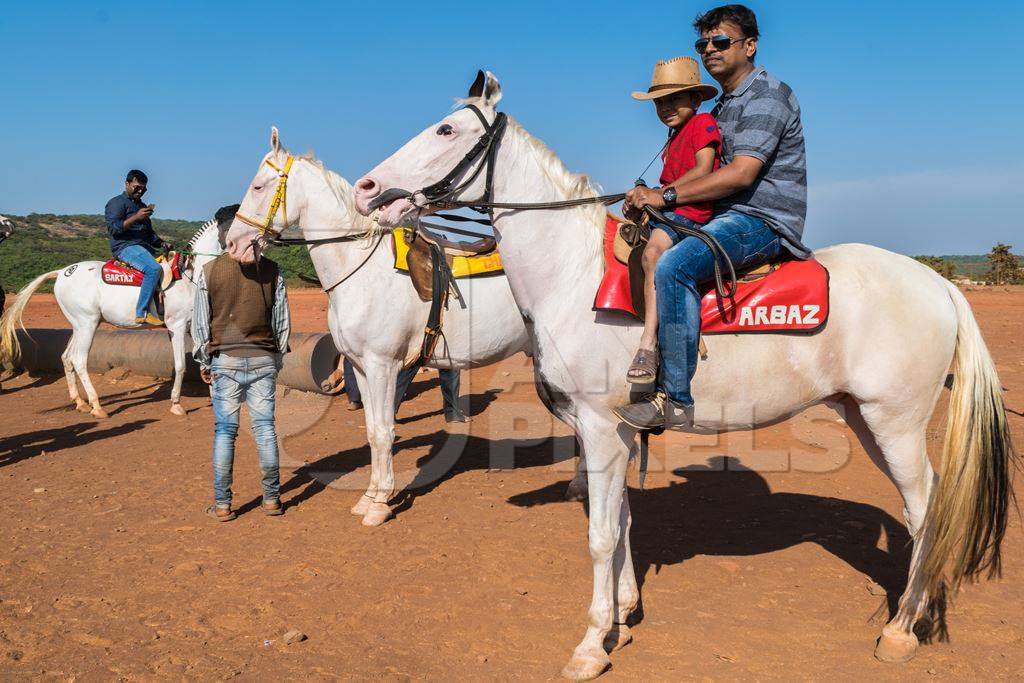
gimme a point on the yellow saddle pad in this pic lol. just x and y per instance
(461, 266)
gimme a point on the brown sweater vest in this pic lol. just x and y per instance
(241, 307)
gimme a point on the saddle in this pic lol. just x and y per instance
(434, 264)
(117, 272)
(787, 295)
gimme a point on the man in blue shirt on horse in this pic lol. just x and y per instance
(133, 241)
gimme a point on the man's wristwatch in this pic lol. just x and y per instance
(669, 195)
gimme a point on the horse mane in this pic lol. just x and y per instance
(207, 226)
(342, 191)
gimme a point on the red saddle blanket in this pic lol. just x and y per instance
(119, 273)
(793, 297)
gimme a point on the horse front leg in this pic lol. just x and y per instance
(178, 348)
(606, 445)
(379, 409)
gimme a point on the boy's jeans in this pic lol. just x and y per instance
(251, 380)
(682, 269)
(141, 258)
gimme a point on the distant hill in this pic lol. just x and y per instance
(43, 242)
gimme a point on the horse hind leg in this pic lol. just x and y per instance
(69, 375)
(80, 360)
(897, 445)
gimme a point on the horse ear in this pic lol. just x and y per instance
(477, 89)
(275, 140)
(492, 90)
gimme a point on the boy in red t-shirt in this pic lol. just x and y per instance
(692, 151)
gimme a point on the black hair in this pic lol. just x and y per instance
(136, 174)
(741, 15)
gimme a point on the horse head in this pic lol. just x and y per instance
(456, 144)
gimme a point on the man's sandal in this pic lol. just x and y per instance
(644, 368)
(221, 514)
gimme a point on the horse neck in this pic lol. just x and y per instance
(323, 214)
(550, 256)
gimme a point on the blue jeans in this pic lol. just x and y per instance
(141, 258)
(682, 269)
(251, 380)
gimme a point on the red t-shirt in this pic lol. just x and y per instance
(699, 132)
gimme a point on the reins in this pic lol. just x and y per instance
(443, 194)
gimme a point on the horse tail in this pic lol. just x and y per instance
(968, 512)
(10, 348)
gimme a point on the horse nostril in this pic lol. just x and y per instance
(368, 185)
(230, 244)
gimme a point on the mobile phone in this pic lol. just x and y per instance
(151, 207)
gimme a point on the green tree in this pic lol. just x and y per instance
(940, 265)
(1004, 266)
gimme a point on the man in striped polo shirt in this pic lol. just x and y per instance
(760, 196)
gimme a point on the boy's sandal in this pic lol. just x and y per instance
(273, 509)
(644, 368)
(221, 514)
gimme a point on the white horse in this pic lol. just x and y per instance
(86, 300)
(895, 329)
(375, 317)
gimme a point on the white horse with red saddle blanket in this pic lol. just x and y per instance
(375, 317)
(895, 329)
(86, 300)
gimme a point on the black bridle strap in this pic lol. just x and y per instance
(289, 241)
(718, 253)
(485, 147)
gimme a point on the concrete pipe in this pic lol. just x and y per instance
(310, 366)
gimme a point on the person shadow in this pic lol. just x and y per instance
(733, 512)
(14, 449)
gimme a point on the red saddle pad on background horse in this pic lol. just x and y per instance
(119, 273)
(793, 297)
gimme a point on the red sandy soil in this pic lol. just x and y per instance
(774, 567)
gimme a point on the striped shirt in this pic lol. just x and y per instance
(280, 319)
(761, 119)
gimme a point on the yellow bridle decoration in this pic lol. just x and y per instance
(279, 200)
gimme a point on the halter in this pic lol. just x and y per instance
(279, 201)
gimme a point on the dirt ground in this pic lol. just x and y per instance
(764, 555)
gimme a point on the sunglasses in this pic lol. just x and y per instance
(720, 42)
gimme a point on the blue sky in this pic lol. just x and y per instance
(911, 110)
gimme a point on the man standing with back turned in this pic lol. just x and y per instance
(240, 325)
(760, 196)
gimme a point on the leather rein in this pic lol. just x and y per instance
(444, 194)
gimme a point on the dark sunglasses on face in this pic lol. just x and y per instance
(720, 43)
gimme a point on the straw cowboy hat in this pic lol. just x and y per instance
(676, 75)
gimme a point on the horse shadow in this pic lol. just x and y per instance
(720, 512)
(473, 404)
(450, 454)
(39, 380)
(20, 447)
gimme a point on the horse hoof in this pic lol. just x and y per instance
(619, 637)
(82, 407)
(896, 648)
(362, 506)
(576, 492)
(178, 410)
(585, 667)
(99, 412)
(377, 514)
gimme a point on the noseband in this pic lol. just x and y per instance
(279, 201)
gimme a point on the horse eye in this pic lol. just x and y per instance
(445, 129)
(257, 188)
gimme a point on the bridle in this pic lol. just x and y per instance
(266, 233)
(280, 201)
